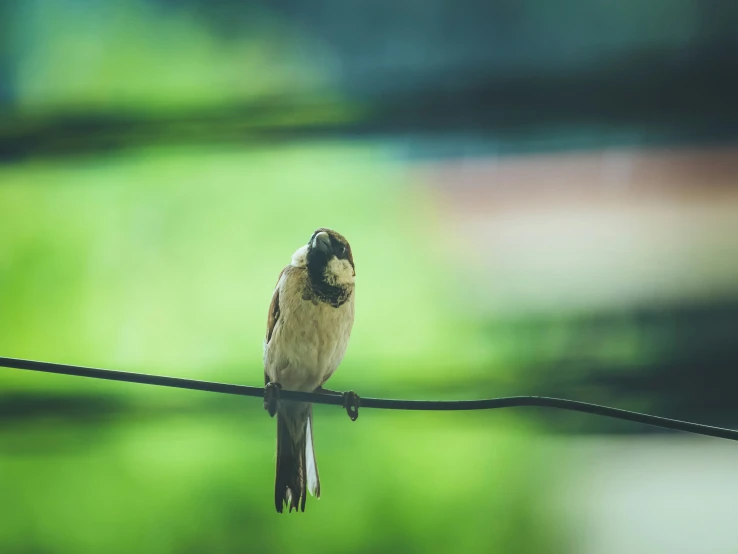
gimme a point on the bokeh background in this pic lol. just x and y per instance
(542, 198)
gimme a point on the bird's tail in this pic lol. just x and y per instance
(297, 470)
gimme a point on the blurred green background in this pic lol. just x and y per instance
(536, 206)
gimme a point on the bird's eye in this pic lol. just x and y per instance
(340, 250)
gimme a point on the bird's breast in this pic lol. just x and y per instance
(309, 343)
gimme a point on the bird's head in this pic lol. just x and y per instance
(328, 258)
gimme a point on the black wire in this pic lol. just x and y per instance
(384, 403)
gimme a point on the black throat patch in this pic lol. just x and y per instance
(323, 292)
(318, 290)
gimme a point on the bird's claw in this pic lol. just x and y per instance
(271, 397)
(351, 403)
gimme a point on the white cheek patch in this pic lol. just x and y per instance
(339, 272)
(299, 258)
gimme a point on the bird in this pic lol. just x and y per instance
(308, 328)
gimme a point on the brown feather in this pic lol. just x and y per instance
(338, 237)
(273, 316)
(290, 487)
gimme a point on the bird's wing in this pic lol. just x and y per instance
(273, 316)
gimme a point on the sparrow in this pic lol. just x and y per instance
(308, 329)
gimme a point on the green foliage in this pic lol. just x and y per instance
(134, 55)
(391, 482)
(165, 261)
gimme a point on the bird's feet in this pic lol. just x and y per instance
(351, 401)
(271, 397)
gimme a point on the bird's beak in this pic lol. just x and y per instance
(322, 242)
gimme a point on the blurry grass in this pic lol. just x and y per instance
(395, 482)
(164, 261)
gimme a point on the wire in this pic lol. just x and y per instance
(337, 399)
